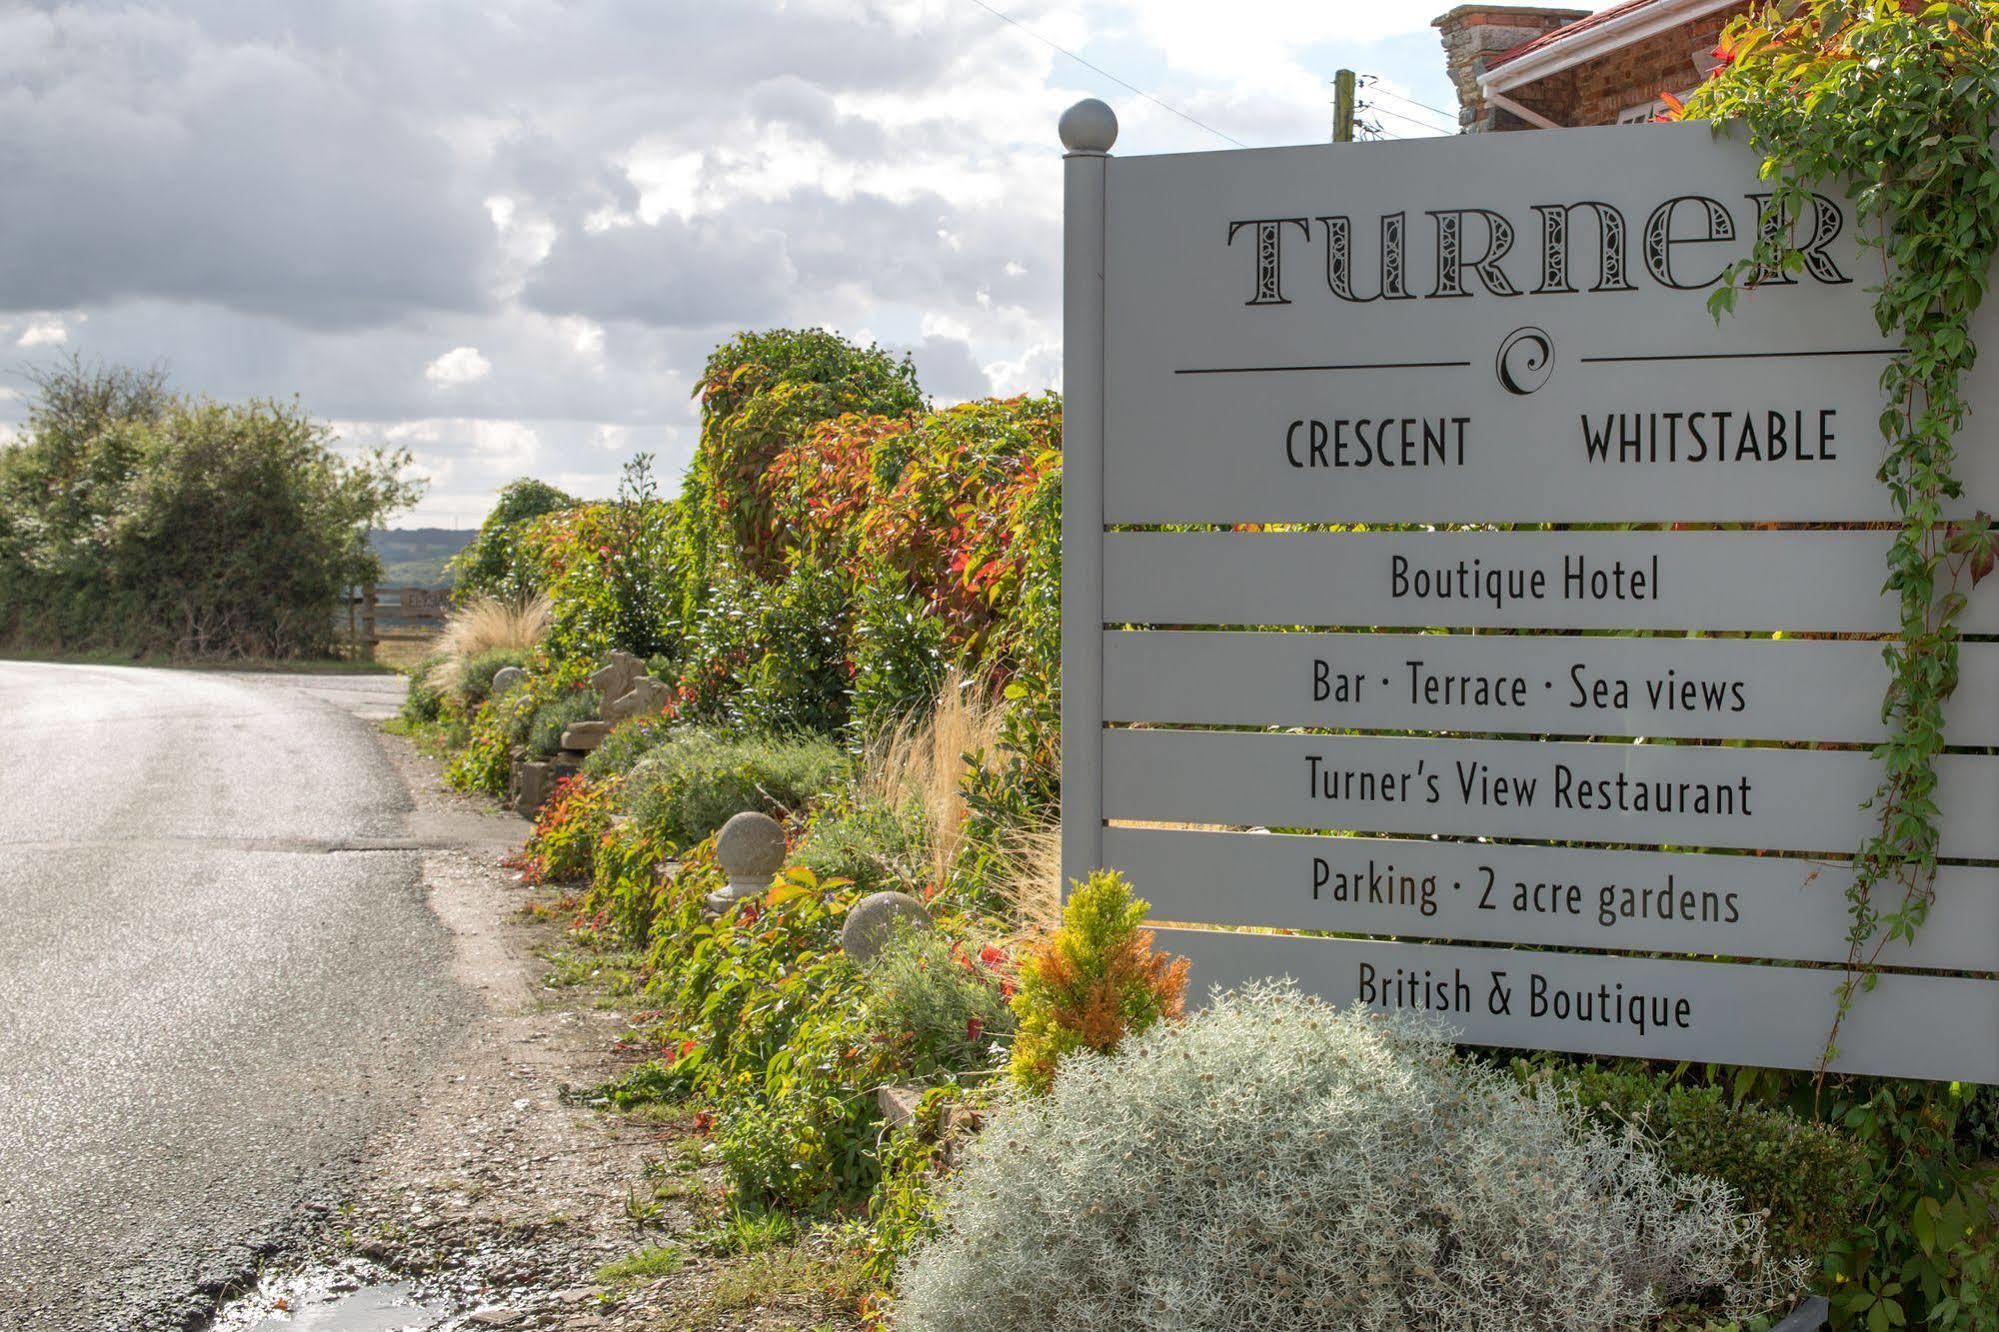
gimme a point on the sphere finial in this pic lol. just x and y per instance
(1089, 127)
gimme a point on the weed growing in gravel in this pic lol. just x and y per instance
(646, 1264)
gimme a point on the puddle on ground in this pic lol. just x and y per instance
(370, 1309)
(339, 1301)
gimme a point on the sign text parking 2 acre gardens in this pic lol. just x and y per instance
(1407, 487)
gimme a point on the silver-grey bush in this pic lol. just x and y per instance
(1274, 1164)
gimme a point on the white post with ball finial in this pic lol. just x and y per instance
(1088, 129)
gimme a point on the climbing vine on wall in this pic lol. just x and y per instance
(1902, 102)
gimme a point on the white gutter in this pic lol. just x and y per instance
(1596, 40)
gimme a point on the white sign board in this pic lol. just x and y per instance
(1441, 577)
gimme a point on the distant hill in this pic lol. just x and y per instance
(415, 556)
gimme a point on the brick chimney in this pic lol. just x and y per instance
(1471, 33)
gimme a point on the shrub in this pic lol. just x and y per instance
(899, 657)
(905, 1207)
(1093, 982)
(544, 730)
(630, 886)
(1806, 1177)
(485, 764)
(760, 393)
(768, 655)
(951, 524)
(480, 636)
(135, 519)
(801, 1131)
(875, 844)
(475, 674)
(628, 742)
(423, 703)
(1273, 1163)
(939, 1004)
(568, 830)
(490, 564)
(692, 784)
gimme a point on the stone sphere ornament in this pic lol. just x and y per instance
(872, 921)
(507, 679)
(750, 849)
(1088, 127)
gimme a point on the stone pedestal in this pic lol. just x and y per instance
(750, 849)
(585, 736)
(533, 783)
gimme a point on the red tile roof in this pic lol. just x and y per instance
(1567, 30)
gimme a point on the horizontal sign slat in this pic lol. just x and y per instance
(1804, 581)
(1684, 441)
(1693, 688)
(1654, 795)
(1563, 897)
(1759, 1015)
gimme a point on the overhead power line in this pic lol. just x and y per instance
(1099, 69)
(1419, 124)
(1390, 92)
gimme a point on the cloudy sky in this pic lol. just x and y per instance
(505, 233)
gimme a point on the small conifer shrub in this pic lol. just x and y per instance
(1093, 982)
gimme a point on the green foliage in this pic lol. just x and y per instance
(1925, 1251)
(871, 843)
(759, 393)
(136, 520)
(475, 674)
(424, 701)
(899, 655)
(628, 742)
(485, 764)
(568, 831)
(628, 889)
(1905, 103)
(802, 1131)
(766, 1016)
(644, 1265)
(1092, 983)
(907, 1204)
(491, 563)
(1902, 101)
(546, 723)
(938, 1003)
(772, 656)
(1805, 1176)
(689, 786)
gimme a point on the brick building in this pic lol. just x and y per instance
(1521, 67)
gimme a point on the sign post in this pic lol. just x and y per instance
(1442, 582)
(1088, 130)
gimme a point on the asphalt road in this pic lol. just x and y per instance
(216, 973)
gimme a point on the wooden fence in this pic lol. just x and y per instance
(375, 615)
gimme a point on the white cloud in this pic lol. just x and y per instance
(43, 333)
(460, 365)
(593, 197)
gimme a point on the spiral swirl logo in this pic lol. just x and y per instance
(1526, 359)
